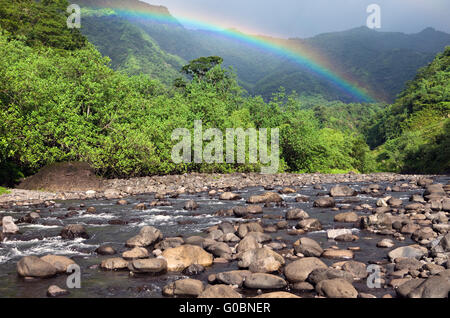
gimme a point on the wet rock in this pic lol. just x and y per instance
(303, 286)
(135, 253)
(336, 288)
(394, 202)
(265, 198)
(229, 237)
(220, 249)
(346, 238)
(184, 287)
(181, 257)
(219, 291)
(409, 264)
(302, 198)
(425, 233)
(281, 294)
(409, 228)
(337, 254)
(61, 263)
(227, 227)
(386, 243)
(264, 281)
(232, 277)
(437, 286)
(116, 263)
(309, 225)
(32, 266)
(229, 196)
(55, 291)
(148, 265)
(73, 231)
(296, 214)
(342, 191)
(30, 218)
(287, 191)
(414, 251)
(105, 250)
(404, 289)
(347, 217)
(247, 243)
(414, 207)
(254, 209)
(333, 233)
(240, 211)
(320, 274)
(191, 205)
(193, 270)
(298, 271)
(260, 237)
(326, 202)
(169, 242)
(262, 260)
(146, 237)
(8, 225)
(357, 269)
(140, 206)
(195, 240)
(308, 247)
(122, 202)
(282, 225)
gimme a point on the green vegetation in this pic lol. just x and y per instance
(415, 130)
(4, 191)
(61, 101)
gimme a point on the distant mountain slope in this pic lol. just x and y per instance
(379, 61)
(130, 48)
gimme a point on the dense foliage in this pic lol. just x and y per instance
(61, 101)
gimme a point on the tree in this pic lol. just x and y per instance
(201, 66)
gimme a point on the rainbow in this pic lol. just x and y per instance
(306, 57)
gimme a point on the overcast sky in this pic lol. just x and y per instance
(305, 18)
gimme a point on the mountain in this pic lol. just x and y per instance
(379, 62)
(415, 130)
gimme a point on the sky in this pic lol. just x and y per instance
(306, 18)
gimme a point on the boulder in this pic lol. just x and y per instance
(219, 249)
(336, 288)
(386, 243)
(261, 260)
(309, 225)
(178, 258)
(146, 237)
(333, 233)
(73, 231)
(337, 254)
(264, 281)
(308, 247)
(135, 253)
(184, 287)
(191, 205)
(148, 265)
(105, 250)
(414, 251)
(320, 274)
(229, 196)
(61, 263)
(265, 198)
(219, 291)
(342, 191)
(247, 243)
(169, 242)
(233, 277)
(8, 225)
(437, 286)
(55, 291)
(298, 271)
(325, 202)
(347, 217)
(116, 263)
(357, 269)
(32, 266)
(296, 214)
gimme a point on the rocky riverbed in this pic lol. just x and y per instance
(240, 235)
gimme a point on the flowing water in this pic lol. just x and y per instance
(43, 238)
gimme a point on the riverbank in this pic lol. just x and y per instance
(194, 183)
